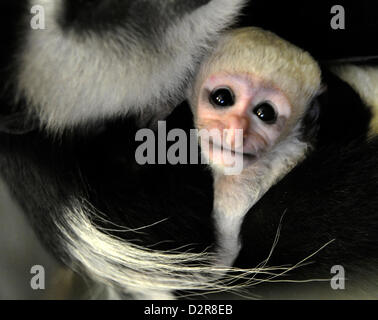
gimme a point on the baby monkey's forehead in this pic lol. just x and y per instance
(239, 79)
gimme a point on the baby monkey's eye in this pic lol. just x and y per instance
(266, 112)
(222, 97)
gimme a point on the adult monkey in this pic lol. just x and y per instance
(55, 179)
(73, 97)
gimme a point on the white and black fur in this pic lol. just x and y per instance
(121, 45)
(69, 113)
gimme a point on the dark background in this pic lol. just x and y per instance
(307, 24)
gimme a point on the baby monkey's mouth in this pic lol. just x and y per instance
(247, 155)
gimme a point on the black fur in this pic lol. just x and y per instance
(142, 19)
(331, 195)
(12, 34)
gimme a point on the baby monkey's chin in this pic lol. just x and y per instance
(223, 158)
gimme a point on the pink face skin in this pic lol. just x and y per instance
(257, 136)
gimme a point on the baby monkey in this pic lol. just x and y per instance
(254, 90)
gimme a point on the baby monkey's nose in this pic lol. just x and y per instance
(237, 129)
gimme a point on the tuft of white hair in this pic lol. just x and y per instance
(363, 79)
(124, 270)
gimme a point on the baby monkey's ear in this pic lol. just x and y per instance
(310, 123)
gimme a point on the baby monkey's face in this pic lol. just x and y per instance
(249, 114)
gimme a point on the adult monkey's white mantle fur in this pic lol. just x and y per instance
(69, 78)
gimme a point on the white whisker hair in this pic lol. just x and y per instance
(127, 269)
